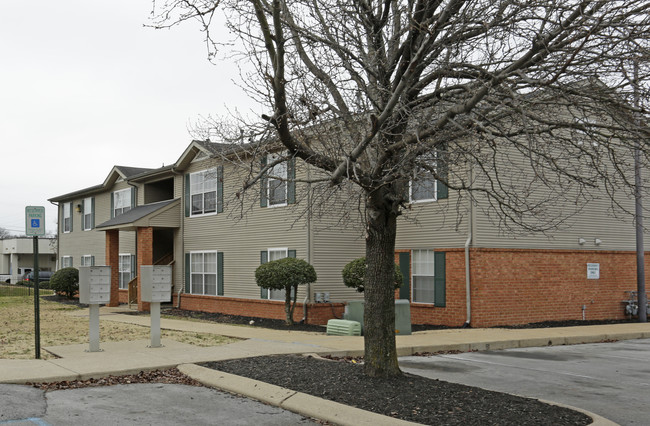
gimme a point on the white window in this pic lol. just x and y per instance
(66, 262)
(87, 209)
(277, 182)
(276, 254)
(203, 273)
(121, 201)
(422, 271)
(87, 260)
(67, 217)
(203, 192)
(423, 186)
(125, 270)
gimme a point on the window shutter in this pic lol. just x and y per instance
(61, 217)
(291, 253)
(187, 273)
(134, 267)
(291, 181)
(112, 205)
(187, 195)
(264, 257)
(263, 180)
(220, 189)
(443, 171)
(220, 273)
(83, 212)
(439, 279)
(133, 197)
(405, 268)
(71, 216)
(92, 260)
(92, 213)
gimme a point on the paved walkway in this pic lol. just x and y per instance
(117, 358)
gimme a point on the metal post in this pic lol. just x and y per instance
(638, 212)
(37, 313)
(154, 309)
(93, 313)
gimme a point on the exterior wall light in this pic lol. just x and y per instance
(598, 241)
(581, 241)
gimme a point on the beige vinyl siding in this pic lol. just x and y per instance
(333, 248)
(241, 240)
(434, 224)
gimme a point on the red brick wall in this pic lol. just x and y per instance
(145, 257)
(317, 313)
(516, 286)
(113, 260)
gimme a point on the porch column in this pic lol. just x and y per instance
(113, 260)
(145, 257)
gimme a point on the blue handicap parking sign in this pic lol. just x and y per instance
(36, 223)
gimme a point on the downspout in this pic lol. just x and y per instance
(468, 282)
(58, 237)
(182, 237)
(307, 296)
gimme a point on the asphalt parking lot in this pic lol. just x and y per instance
(609, 379)
(136, 404)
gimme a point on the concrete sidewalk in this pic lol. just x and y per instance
(128, 357)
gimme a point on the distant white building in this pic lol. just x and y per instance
(18, 257)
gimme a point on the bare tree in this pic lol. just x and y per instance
(4, 233)
(384, 94)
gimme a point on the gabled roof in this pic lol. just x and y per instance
(124, 172)
(195, 148)
(141, 215)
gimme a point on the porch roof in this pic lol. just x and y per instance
(163, 214)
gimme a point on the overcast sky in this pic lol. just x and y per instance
(84, 86)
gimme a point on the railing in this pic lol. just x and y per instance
(133, 291)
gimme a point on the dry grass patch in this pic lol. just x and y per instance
(58, 327)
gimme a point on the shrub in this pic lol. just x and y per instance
(285, 274)
(354, 274)
(65, 281)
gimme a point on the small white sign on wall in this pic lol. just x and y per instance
(593, 271)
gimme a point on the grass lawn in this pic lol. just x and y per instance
(60, 328)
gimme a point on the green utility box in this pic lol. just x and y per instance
(354, 312)
(337, 327)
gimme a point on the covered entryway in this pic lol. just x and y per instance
(156, 226)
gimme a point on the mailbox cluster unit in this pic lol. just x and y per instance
(156, 283)
(95, 285)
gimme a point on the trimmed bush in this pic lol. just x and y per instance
(65, 281)
(285, 274)
(354, 274)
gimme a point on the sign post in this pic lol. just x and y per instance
(35, 226)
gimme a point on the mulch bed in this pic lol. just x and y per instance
(408, 397)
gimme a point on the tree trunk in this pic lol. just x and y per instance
(380, 357)
(288, 309)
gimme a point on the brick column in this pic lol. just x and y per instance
(145, 257)
(113, 260)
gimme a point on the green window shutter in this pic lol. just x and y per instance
(187, 195)
(291, 181)
(439, 280)
(112, 205)
(134, 266)
(263, 180)
(220, 189)
(405, 268)
(92, 260)
(92, 213)
(133, 197)
(443, 171)
(291, 253)
(264, 257)
(187, 273)
(61, 219)
(220, 273)
(71, 217)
